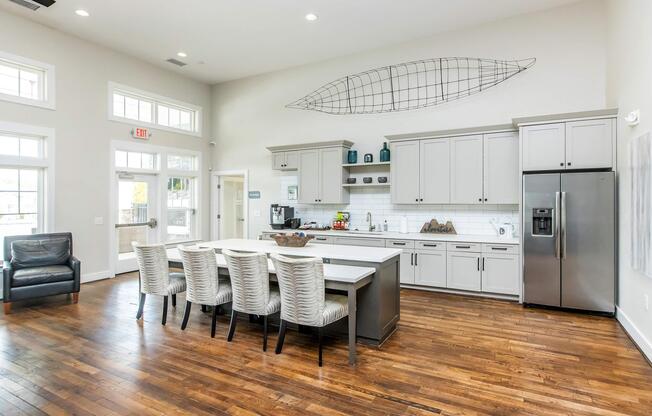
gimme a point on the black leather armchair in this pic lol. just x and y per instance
(39, 265)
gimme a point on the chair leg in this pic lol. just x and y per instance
(265, 333)
(165, 310)
(319, 336)
(214, 321)
(7, 307)
(234, 320)
(75, 297)
(186, 315)
(174, 301)
(281, 336)
(141, 305)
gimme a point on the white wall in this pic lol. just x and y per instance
(629, 87)
(83, 132)
(569, 44)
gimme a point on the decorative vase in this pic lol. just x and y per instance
(368, 158)
(384, 153)
(352, 156)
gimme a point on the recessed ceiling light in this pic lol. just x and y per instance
(82, 13)
(181, 54)
(311, 17)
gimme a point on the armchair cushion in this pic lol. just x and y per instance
(40, 275)
(36, 253)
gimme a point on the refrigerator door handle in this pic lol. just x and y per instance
(556, 220)
(563, 225)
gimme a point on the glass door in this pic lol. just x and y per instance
(136, 217)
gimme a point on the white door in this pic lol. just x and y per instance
(136, 216)
(463, 271)
(589, 144)
(309, 176)
(231, 215)
(466, 170)
(405, 172)
(500, 274)
(430, 269)
(501, 168)
(435, 171)
(544, 147)
(330, 176)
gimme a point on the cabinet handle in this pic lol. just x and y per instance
(420, 199)
(320, 238)
(480, 199)
(569, 163)
(462, 246)
(430, 245)
(398, 244)
(412, 259)
(478, 263)
(483, 264)
(561, 164)
(417, 200)
(416, 259)
(499, 248)
(485, 200)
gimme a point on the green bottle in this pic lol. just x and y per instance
(384, 153)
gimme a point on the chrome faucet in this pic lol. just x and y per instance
(371, 227)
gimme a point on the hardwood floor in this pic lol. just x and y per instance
(451, 355)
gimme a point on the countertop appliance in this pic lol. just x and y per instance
(279, 216)
(569, 240)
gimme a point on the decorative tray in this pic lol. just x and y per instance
(292, 240)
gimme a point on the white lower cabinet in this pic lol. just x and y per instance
(430, 268)
(464, 271)
(500, 274)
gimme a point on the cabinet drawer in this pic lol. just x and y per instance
(472, 247)
(404, 244)
(430, 245)
(267, 236)
(355, 241)
(322, 239)
(500, 248)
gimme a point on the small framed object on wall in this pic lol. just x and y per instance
(293, 193)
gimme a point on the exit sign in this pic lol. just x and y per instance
(140, 133)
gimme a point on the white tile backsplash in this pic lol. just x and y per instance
(467, 219)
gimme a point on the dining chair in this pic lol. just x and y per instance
(251, 292)
(304, 300)
(205, 287)
(155, 276)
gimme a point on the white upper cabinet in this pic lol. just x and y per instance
(501, 168)
(435, 171)
(466, 170)
(309, 176)
(589, 144)
(278, 160)
(405, 172)
(544, 147)
(292, 160)
(321, 175)
(285, 160)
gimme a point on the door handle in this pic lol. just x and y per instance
(483, 264)
(416, 259)
(411, 259)
(556, 215)
(478, 263)
(563, 225)
(152, 223)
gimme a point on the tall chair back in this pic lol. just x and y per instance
(301, 283)
(154, 269)
(200, 267)
(249, 281)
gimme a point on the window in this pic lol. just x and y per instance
(135, 160)
(182, 162)
(181, 208)
(145, 108)
(25, 81)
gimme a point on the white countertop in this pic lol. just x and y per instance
(453, 238)
(337, 252)
(332, 272)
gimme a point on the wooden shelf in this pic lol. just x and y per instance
(360, 185)
(355, 165)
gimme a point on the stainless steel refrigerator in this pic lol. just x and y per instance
(569, 240)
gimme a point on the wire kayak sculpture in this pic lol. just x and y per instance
(410, 85)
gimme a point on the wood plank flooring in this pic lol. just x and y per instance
(451, 355)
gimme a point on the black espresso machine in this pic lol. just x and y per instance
(282, 217)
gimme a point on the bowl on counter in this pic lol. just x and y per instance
(292, 240)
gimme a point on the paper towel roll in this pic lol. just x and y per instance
(403, 229)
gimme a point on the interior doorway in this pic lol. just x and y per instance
(229, 205)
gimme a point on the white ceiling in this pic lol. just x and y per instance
(229, 39)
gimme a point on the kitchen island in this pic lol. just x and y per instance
(378, 303)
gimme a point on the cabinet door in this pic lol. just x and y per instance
(309, 176)
(466, 170)
(405, 172)
(435, 171)
(463, 271)
(501, 168)
(330, 176)
(407, 267)
(544, 147)
(589, 144)
(430, 268)
(278, 160)
(500, 274)
(291, 160)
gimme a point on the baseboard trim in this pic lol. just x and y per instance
(92, 277)
(643, 344)
(513, 298)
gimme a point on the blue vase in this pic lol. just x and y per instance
(352, 156)
(384, 153)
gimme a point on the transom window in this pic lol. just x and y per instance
(12, 145)
(26, 81)
(145, 108)
(182, 162)
(135, 160)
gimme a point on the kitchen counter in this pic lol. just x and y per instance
(453, 238)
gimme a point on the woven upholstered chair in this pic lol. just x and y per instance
(204, 285)
(155, 276)
(303, 297)
(251, 293)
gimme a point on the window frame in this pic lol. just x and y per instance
(49, 76)
(155, 100)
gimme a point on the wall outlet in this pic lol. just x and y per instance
(99, 220)
(647, 302)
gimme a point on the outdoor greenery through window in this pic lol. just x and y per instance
(181, 208)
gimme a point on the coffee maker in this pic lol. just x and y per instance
(280, 215)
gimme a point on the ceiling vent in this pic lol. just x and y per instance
(34, 4)
(176, 62)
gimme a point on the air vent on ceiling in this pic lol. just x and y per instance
(176, 62)
(34, 4)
